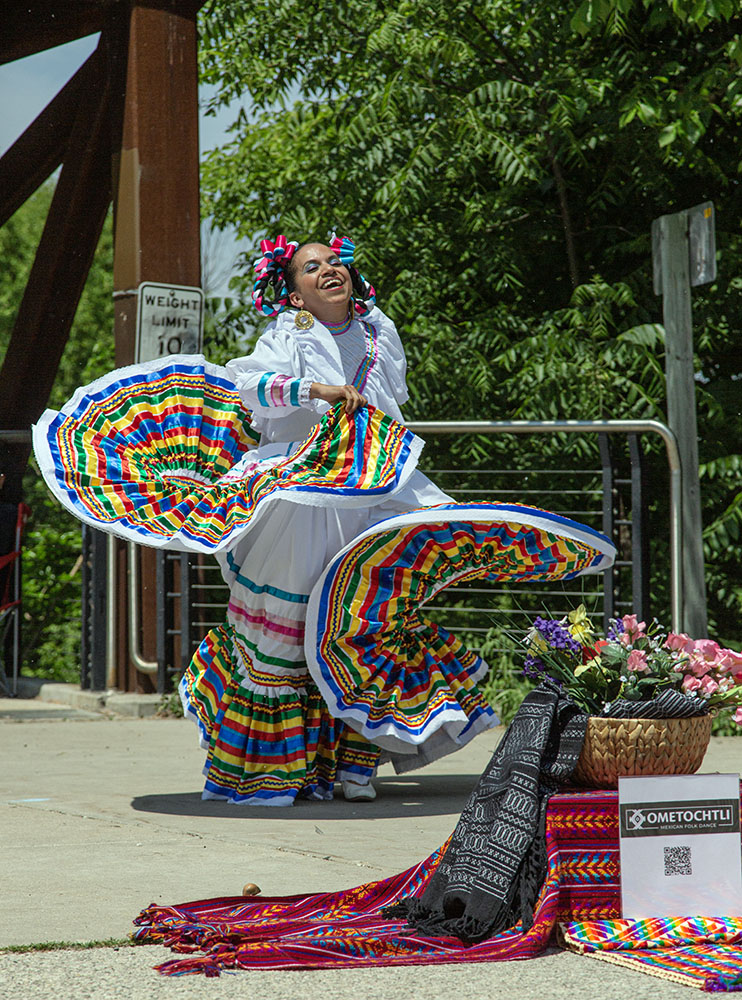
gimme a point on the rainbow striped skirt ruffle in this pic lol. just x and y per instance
(164, 454)
(402, 681)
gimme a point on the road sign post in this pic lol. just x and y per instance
(683, 253)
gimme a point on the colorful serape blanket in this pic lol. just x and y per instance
(580, 899)
(344, 929)
(705, 952)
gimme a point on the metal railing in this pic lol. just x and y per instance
(195, 596)
(600, 427)
(15, 437)
(192, 598)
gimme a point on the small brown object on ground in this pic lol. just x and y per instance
(250, 889)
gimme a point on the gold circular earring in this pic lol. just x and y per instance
(303, 320)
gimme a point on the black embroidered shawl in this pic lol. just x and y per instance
(493, 868)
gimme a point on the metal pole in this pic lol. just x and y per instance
(681, 408)
(683, 256)
(593, 427)
(146, 666)
(610, 577)
(164, 585)
(640, 538)
(111, 602)
(85, 609)
(185, 610)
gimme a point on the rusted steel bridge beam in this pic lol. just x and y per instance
(42, 147)
(157, 212)
(60, 268)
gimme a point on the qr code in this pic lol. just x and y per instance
(678, 861)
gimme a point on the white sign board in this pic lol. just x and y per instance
(680, 846)
(702, 243)
(170, 320)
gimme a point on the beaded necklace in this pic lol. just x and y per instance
(337, 328)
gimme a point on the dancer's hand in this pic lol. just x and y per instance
(335, 393)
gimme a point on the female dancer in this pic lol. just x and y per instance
(328, 536)
(275, 738)
(268, 729)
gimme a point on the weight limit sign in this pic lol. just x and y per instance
(170, 320)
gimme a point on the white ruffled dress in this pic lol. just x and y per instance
(268, 732)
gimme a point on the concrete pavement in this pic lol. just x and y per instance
(102, 815)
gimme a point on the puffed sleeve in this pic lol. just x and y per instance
(391, 355)
(272, 381)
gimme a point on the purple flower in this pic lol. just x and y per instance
(615, 629)
(557, 636)
(535, 669)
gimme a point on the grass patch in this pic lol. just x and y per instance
(170, 705)
(67, 945)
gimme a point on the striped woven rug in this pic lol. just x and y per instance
(705, 952)
(345, 929)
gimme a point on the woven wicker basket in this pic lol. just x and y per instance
(641, 746)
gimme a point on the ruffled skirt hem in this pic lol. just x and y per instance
(264, 747)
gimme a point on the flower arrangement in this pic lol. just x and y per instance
(633, 663)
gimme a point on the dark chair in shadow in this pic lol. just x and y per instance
(13, 519)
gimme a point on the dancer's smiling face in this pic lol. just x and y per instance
(321, 283)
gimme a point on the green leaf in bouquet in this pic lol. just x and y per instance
(613, 656)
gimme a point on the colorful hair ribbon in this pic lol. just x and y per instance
(275, 255)
(345, 248)
(269, 270)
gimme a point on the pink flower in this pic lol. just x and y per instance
(679, 642)
(698, 666)
(709, 686)
(634, 628)
(738, 716)
(707, 650)
(724, 663)
(728, 661)
(637, 661)
(690, 683)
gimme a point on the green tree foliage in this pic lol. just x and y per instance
(52, 551)
(499, 164)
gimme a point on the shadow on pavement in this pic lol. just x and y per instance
(398, 796)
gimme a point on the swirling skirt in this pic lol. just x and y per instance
(331, 547)
(328, 667)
